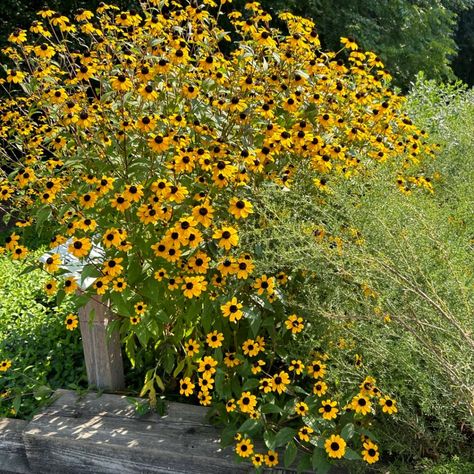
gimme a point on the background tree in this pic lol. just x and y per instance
(434, 36)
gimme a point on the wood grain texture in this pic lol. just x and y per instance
(12, 450)
(104, 435)
(102, 351)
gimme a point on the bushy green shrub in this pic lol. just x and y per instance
(388, 280)
(33, 336)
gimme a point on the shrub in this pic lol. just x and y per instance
(391, 277)
(139, 138)
(33, 337)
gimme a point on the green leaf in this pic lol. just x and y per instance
(89, 270)
(320, 461)
(248, 425)
(41, 216)
(284, 436)
(290, 454)
(269, 439)
(120, 305)
(60, 297)
(250, 384)
(351, 455)
(160, 383)
(180, 367)
(17, 403)
(304, 464)
(29, 269)
(348, 431)
(271, 408)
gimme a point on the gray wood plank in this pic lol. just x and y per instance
(12, 450)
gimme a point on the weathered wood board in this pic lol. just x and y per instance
(104, 435)
(12, 450)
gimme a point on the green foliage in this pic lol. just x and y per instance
(44, 355)
(389, 278)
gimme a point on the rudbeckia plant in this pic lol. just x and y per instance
(132, 131)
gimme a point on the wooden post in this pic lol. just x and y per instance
(102, 351)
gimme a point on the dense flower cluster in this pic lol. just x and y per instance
(132, 132)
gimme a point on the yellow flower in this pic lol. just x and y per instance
(240, 208)
(51, 287)
(232, 310)
(320, 388)
(294, 324)
(304, 433)
(70, 285)
(388, 405)
(301, 408)
(329, 409)
(247, 402)
(244, 448)
(186, 387)
(5, 365)
(361, 404)
(140, 308)
(280, 381)
(316, 369)
(227, 237)
(191, 347)
(297, 366)
(71, 322)
(271, 458)
(121, 83)
(214, 339)
(265, 284)
(335, 446)
(51, 265)
(370, 453)
(80, 247)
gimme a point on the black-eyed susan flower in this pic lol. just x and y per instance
(71, 322)
(207, 365)
(329, 409)
(51, 265)
(296, 366)
(264, 284)
(247, 402)
(257, 459)
(51, 287)
(304, 433)
(370, 453)
(244, 448)
(388, 405)
(140, 308)
(135, 319)
(335, 446)
(271, 458)
(230, 405)
(227, 237)
(280, 381)
(294, 324)
(5, 365)
(232, 310)
(301, 408)
(316, 369)
(70, 285)
(320, 388)
(186, 387)
(361, 404)
(214, 339)
(80, 247)
(191, 347)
